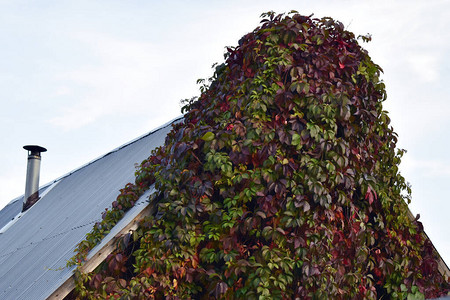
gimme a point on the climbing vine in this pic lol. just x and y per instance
(281, 181)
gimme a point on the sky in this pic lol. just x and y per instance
(82, 78)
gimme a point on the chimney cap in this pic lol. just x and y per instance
(34, 148)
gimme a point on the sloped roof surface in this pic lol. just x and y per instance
(35, 249)
(11, 210)
(15, 207)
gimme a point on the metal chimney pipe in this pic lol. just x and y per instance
(32, 180)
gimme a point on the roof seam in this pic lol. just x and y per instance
(48, 238)
(63, 232)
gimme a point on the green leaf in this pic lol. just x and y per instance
(416, 296)
(296, 139)
(209, 136)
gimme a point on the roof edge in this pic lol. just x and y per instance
(99, 253)
(106, 154)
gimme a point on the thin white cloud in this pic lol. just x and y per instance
(425, 167)
(123, 76)
(15, 184)
(62, 91)
(425, 66)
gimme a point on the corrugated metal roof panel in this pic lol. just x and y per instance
(11, 210)
(14, 207)
(34, 251)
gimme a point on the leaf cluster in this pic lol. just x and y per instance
(282, 181)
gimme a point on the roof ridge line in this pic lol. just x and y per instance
(114, 150)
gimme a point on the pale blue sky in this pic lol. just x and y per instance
(84, 77)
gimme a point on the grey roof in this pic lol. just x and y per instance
(35, 249)
(13, 208)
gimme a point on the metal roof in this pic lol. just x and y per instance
(34, 250)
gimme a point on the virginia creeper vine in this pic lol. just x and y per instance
(281, 181)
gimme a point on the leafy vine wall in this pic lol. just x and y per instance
(281, 182)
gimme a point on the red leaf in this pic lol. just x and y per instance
(370, 195)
